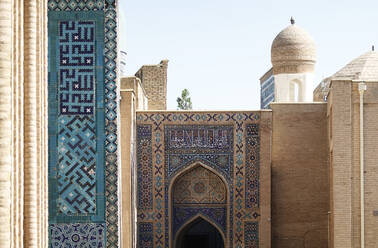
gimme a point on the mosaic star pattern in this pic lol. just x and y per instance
(217, 140)
(199, 191)
(77, 235)
(199, 186)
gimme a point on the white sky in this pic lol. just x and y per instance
(219, 49)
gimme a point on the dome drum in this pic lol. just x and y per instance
(293, 67)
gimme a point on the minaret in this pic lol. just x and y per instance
(293, 57)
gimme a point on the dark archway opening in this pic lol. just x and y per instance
(200, 234)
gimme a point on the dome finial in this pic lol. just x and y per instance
(292, 21)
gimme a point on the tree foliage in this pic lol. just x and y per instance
(184, 102)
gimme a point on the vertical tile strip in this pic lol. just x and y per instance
(252, 174)
(111, 132)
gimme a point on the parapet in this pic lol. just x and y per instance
(154, 81)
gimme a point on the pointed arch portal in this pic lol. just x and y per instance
(199, 233)
(199, 198)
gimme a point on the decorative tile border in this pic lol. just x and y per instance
(111, 132)
(144, 158)
(252, 182)
(75, 5)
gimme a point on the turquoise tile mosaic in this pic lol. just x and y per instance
(76, 173)
(83, 169)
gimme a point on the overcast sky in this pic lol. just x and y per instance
(219, 49)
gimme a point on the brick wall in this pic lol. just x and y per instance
(371, 158)
(300, 188)
(154, 81)
(344, 114)
(340, 119)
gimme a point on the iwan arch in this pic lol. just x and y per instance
(92, 160)
(203, 190)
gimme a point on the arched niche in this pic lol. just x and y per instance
(295, 91)
(199, 232)
(198, 190)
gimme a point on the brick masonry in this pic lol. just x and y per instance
(300, 188)
(154, 81)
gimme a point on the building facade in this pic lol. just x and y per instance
(92, 160)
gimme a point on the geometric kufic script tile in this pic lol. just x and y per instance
(83, 73)
(76, 172)
(76, 67)
(83, 235)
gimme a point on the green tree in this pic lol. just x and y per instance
(184, 102)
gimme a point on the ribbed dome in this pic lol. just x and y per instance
(293, 51)
(364, 68)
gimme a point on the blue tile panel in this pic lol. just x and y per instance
(145, 235)
(185, 144)
(83, 168)
(144, 164)
(77, 235)
(76, 67)
(76, 130)
(252, 174)
(251, 234)
(76, 172)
